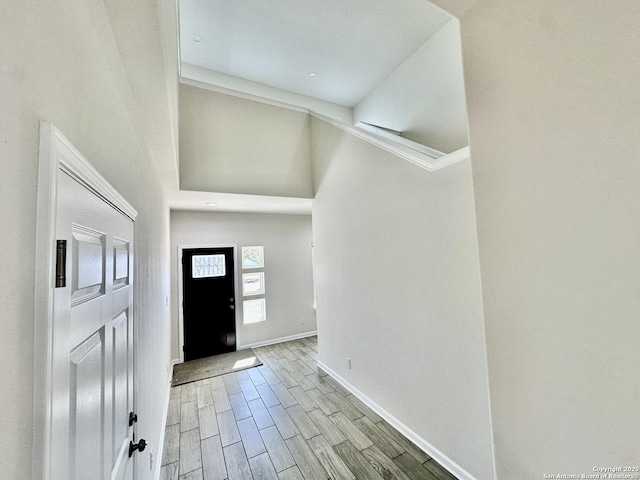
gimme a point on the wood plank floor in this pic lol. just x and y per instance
(285, 420)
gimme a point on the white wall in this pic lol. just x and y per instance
(424, 97)
(60, 62)
(399, 291)
(288, 273)
(553, 98)
(234, 145)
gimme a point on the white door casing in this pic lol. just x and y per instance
(84, 331)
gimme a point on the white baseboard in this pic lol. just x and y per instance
(278, 340)
(159, 451)
(420, 442)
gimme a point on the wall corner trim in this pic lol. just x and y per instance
(420, 442)
(417, 158)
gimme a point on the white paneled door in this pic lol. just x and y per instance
(92, 338)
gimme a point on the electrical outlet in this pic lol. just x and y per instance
(348, 363)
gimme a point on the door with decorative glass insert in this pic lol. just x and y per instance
(92, 364)
(208, 280)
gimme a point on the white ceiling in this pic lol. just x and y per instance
(352, 45)
(266, 49)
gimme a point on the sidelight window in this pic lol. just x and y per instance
(252, 284)
(253, 257)
(254, 311)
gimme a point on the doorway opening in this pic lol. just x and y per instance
(208, 299)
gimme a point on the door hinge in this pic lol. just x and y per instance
(61, 263)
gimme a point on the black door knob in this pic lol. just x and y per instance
(140, 446)
(132, 418)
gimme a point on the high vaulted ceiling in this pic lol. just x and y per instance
(351, 45)
(323, 56)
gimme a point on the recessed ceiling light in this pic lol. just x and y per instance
(196, 38)
(313, 75)
(211, 204)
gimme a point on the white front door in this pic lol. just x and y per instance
(92, 346)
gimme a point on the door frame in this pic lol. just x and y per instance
(236, 285)
(58, 154)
